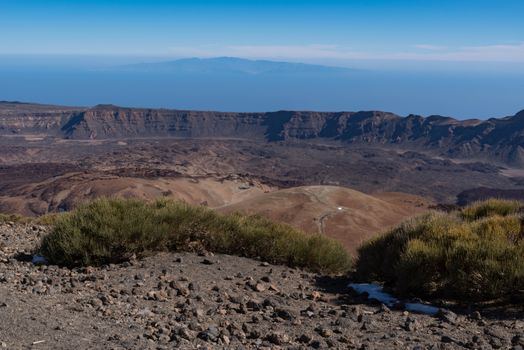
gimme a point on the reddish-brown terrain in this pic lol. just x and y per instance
(348, 216)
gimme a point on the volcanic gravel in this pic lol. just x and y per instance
(206, 301)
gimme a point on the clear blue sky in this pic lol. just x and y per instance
(320, 31)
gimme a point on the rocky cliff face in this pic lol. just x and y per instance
(104, 122)
(21, 118)
(496, 139)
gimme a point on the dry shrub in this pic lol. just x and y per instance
(111, 230)
(472, 255)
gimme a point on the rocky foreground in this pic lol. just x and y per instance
(206, 301)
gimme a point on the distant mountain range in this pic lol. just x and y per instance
(500, 140)
(232, 65)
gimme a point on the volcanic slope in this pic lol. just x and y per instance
(65, 192)
(338, 212)
(346, 215)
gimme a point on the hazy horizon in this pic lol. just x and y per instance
(88, 81)
(458, 58)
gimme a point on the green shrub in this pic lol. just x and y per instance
(45, 220)
(48, 219)
(111, 230)
(12, 218)
(491, 207)
(472, 255)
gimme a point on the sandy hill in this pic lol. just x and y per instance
(65, 192)
(341, 213)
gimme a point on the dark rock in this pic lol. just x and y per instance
(212, 334)
(518, 339)
(325, 332)
(266, 279)
(254, 305)
(411, 324)
(476, 316)
(446, 339)
(316, 344)
(447, 316)
(285, 314)
(304, 338)
(277, 338)
(185, 333)
(207, 262)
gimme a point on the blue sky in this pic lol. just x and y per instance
(322, 31)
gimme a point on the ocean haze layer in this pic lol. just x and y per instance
(230, 84)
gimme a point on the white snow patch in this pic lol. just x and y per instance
(422, 308)
(39, 260)
(375, 291)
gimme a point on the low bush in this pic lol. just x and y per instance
(48, 219)
(4, 218)
(474, 254)
(111, 230)
(491, 207)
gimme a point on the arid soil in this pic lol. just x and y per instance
(282, 165)
(349, 216)
(65, 192)
(190, 301)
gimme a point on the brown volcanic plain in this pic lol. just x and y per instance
(346, 175)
